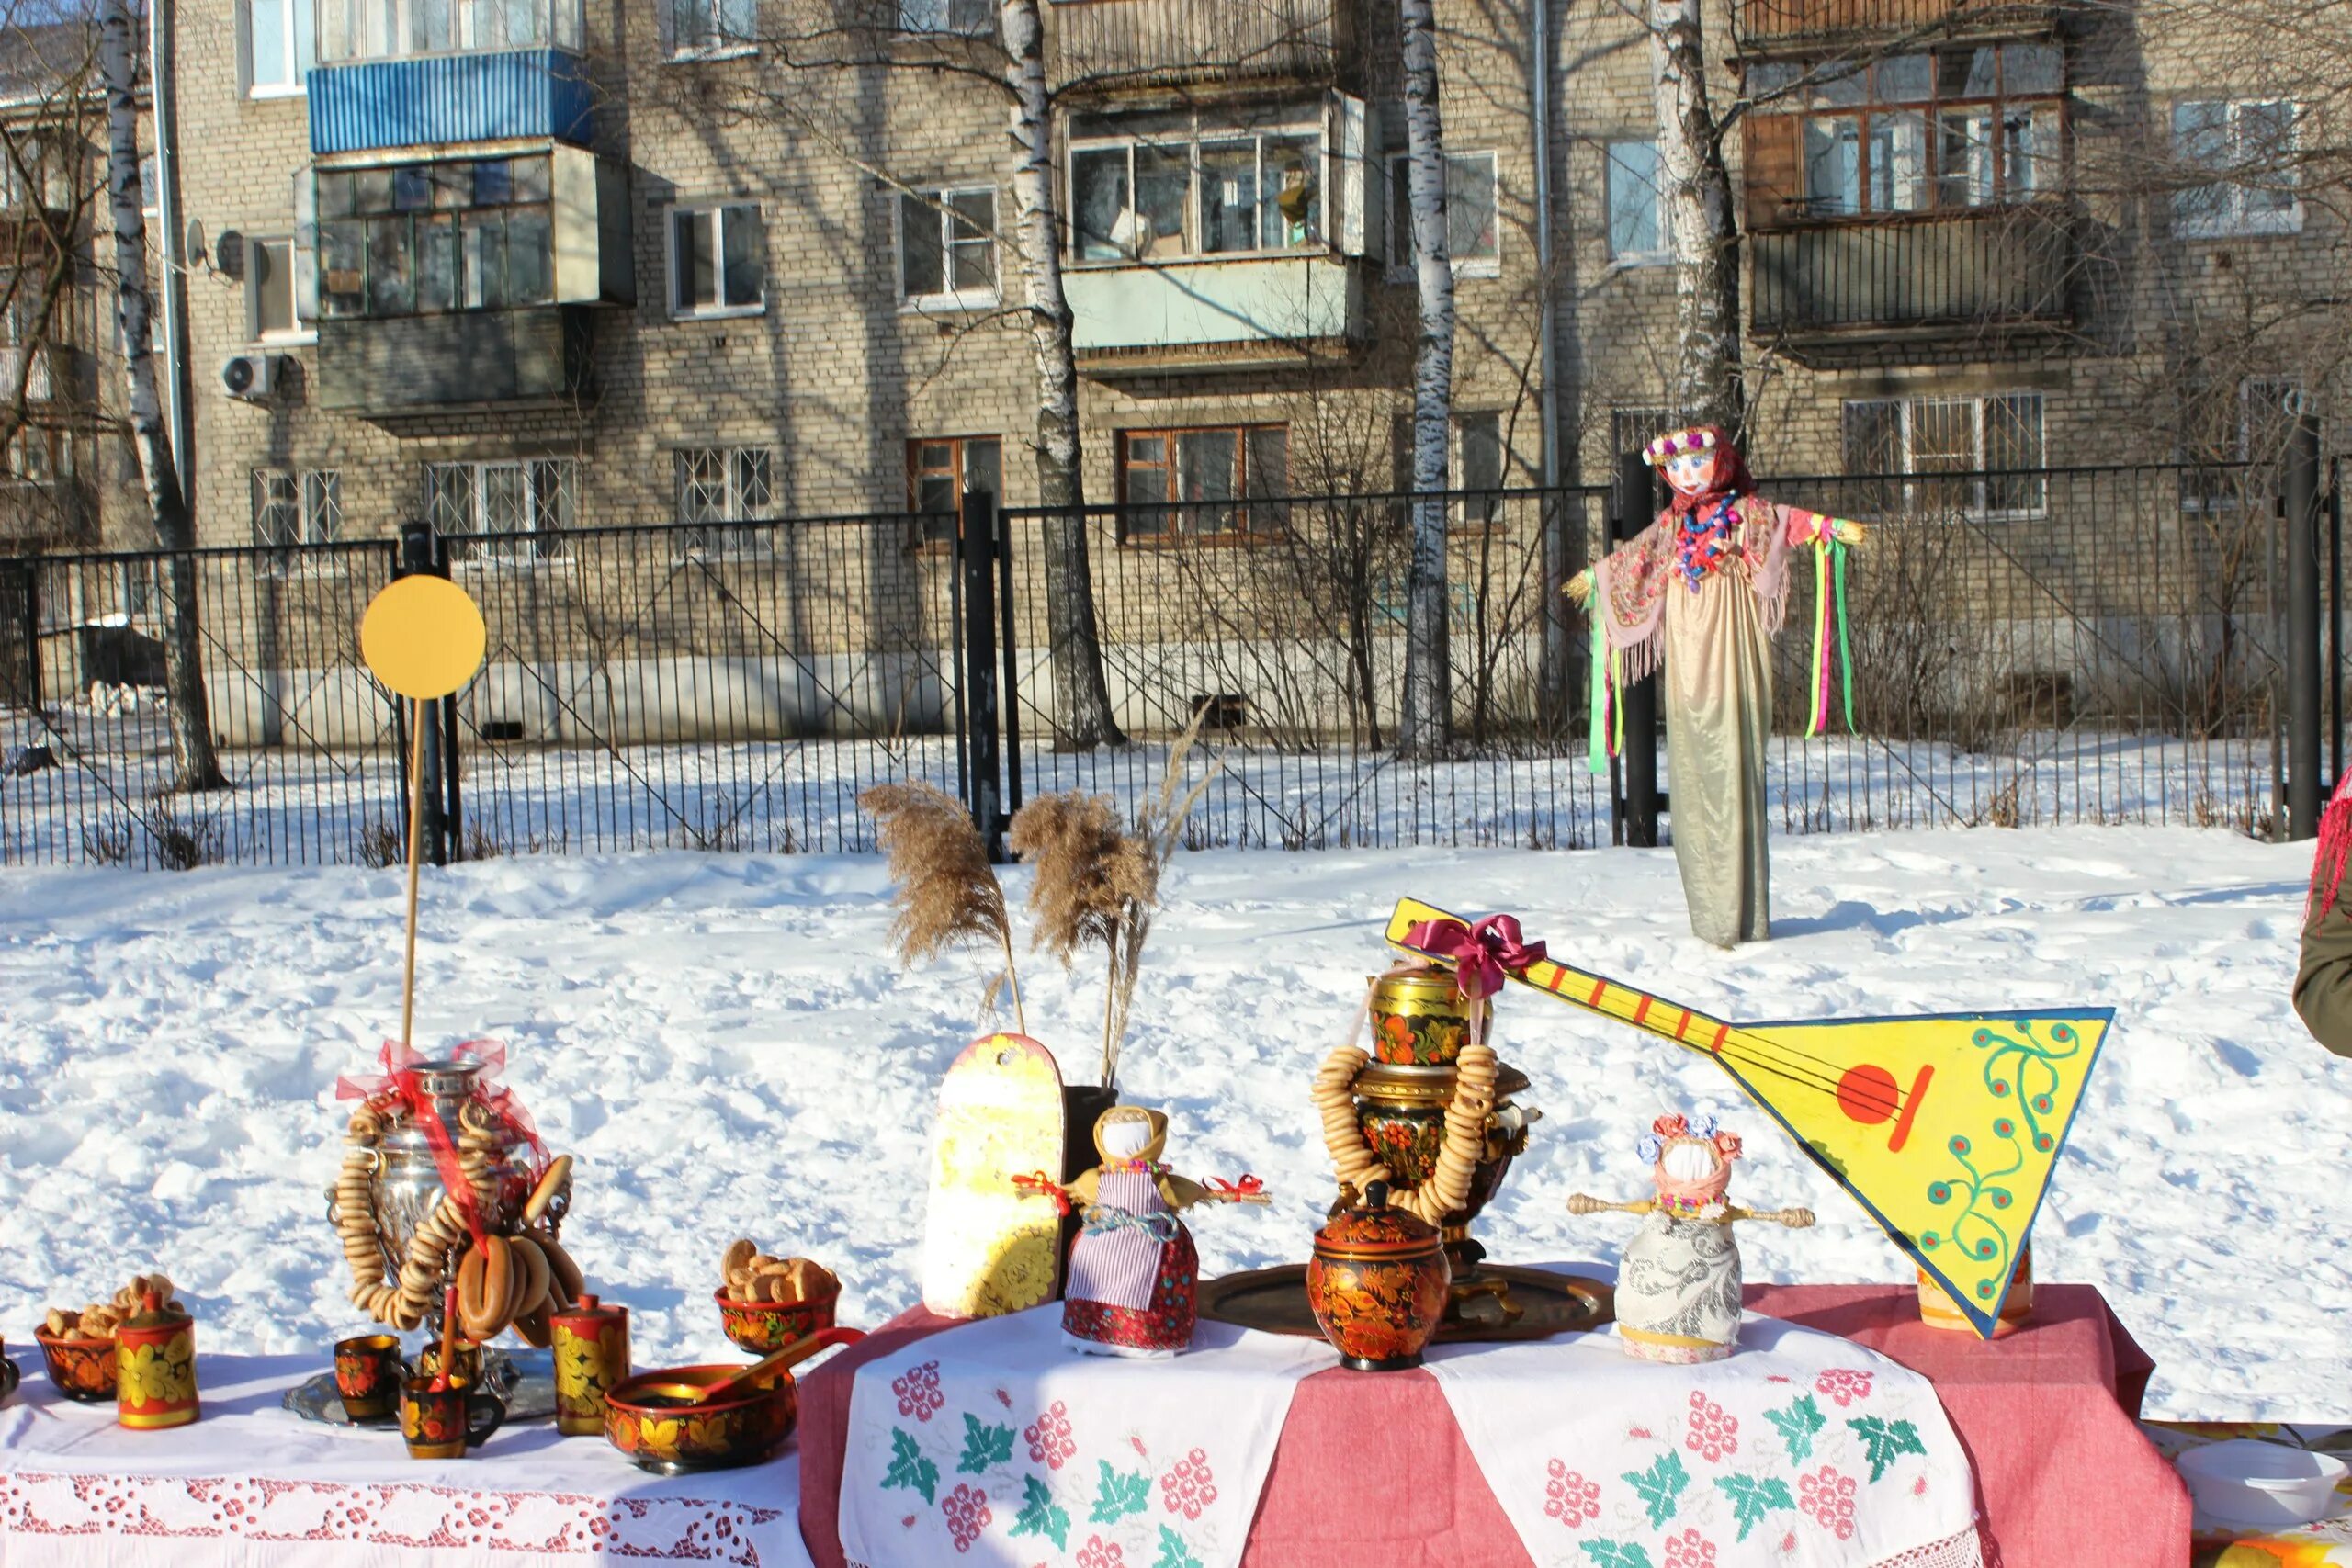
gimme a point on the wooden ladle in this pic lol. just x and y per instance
(792, 1355)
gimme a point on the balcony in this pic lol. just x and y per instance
(1768, 26)
(539, 94)
(39, 386)
(1248, 314)
(536, 357)
(1922, 274)
(1108, 45)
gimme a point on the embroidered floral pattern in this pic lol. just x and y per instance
(1689, 1550)
(968, 1514)
(1569, 1497)
(1843, 1384)
(918, 1392)
(1713, 1433)
(1190, 1487)
(1827, 1498)
(1099, 1553)
(1050, 1440)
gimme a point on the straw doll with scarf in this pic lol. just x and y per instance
(1700, 591)
(1133, 1272)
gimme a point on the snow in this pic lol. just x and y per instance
(726, 1046)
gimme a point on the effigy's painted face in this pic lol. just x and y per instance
(1691, 472)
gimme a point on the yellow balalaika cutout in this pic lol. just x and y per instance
(1943, 1127)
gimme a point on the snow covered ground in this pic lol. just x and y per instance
(723, 1043)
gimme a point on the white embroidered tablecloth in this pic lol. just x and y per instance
(253, 1485)
(1800, 1451)
(993, 1443)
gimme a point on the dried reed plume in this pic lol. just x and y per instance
(1097, 882)
(948, 893)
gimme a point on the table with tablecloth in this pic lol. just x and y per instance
(2046, 1416)
(253, 1485)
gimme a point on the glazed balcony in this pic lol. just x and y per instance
(533, 358)
(1115, 44)
(539, 94)
(1207, 314)
(1918, 274)
(1768, 26)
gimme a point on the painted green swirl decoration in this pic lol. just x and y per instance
(2017, 1066)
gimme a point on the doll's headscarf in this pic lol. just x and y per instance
(1730, 478)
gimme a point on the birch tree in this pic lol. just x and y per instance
(1696, 191)
(194, 764)
(1081, 695)
(1424, 718)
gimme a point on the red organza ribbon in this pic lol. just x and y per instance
(1482, 955)
(1035, 1184)
(1248, 1187)
(398, 1085)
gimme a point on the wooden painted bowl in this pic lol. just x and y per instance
(81, 1369)
(648, 1418)
(765, 1328)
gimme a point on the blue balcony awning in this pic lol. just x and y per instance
(448, 100)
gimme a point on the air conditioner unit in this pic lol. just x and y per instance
(247, 375)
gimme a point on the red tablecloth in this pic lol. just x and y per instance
(2048, 1416)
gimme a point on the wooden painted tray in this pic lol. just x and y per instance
(1275, 1301)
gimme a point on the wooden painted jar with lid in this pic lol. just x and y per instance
(154, 1379)
(1377, 1282)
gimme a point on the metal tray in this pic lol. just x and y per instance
(526, 1384)
(1275, 1301)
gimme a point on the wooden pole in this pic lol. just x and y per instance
(416, 860)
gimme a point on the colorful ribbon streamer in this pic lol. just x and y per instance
(398, 1085)
(1828, 599)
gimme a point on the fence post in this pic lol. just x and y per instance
(416, 555)
(2301, 495)
(1008, 607)
(976, 547)
(1632, 506)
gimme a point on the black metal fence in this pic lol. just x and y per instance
(2037, 645)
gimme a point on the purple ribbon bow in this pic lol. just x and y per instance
(1482, 955)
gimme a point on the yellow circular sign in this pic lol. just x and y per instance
(423, 637)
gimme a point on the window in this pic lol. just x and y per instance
(1954, 129)
(938, 473)
(718, 261)
(35, 457)
(291, 509)
(724, 484)
(1478, 456)
(1978, 437)
(1472, 237)
(377, 29)
(2229, 427)
(278, 47)
(1164, 187)
(711, 26)
(1636, 216)
(2254, 143)
(518, 508)
(1210, 472)
(947, 248)
(274, 309)
(968, 17)
(414, 238)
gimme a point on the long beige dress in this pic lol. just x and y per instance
(1715, 644)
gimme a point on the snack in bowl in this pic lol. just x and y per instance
(767, 1302)
(78, 1346)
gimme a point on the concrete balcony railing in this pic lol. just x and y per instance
(1934, 273)
(1761, 26)
(1122, 43)
(1235, 314)
(410, 364)
(540, 94)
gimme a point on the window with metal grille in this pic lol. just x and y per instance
(294, 509)
(513, 511)
(724, 484)
(1994, 443)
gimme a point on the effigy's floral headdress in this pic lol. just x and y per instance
(1665, 448)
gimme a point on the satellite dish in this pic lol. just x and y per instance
(195, 249)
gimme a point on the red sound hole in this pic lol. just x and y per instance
(1867, 1094)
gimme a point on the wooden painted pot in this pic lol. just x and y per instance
(764, 1328)
(1377, 1284)
(1417, 1020)
(81, 1370)
(155, 1369)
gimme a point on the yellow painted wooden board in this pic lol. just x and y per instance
(988, 1247)
(1943, 1127)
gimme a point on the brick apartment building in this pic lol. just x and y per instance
(511, 265)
